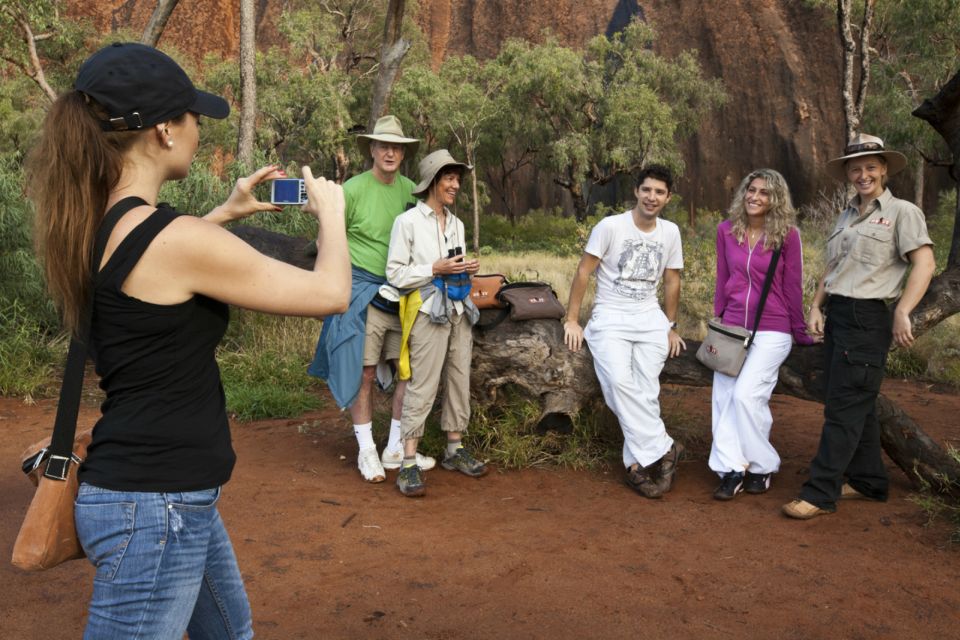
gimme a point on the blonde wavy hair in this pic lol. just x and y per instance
(781, 216)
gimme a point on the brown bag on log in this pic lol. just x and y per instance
(531, 301)
(484, 289)
(48, 535)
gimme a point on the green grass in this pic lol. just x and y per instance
(506, 434)
(936, 506)
(263, 364)
(29, 358)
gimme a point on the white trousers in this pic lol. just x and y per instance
(741, 409)
(628, 355)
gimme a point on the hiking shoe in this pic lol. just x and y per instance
(641, 480)
(393, 460)
(847, 492)
(464, 462)
(410, 482)
(668, 467)
(803, 510)
(756, 482)
(730, 485)
(369, 464)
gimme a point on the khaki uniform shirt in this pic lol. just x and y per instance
(416, 243)
(867, 254)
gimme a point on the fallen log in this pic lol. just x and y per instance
(531, 356)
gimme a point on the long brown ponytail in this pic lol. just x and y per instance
(69, 174)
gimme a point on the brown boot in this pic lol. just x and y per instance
(642, 480)
(668, 467)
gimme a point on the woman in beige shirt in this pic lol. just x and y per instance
(861, 304)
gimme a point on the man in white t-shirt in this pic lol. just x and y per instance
(630, 337)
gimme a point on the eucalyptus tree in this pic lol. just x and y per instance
(455, 107)
(596, 115)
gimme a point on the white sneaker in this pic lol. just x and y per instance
(369, 463)
(393, 460)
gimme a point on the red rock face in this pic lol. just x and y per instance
(779, 61)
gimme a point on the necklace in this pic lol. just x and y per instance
(753, 235)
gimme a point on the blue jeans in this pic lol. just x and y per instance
(165, 566)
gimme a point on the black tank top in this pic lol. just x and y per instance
(164, 425)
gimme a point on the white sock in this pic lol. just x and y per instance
(364, 433)
(395, 443)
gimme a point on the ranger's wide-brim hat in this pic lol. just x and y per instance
(864, 145)
(387, 129)
(431, 165)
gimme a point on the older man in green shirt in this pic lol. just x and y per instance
(374, 199)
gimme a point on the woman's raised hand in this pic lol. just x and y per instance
(324, 197)
(242, 202)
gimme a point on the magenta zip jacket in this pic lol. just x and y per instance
(740, 275)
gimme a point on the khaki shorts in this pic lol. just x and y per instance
(382, 339)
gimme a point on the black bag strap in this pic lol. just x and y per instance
(767, 281)
(65, 424)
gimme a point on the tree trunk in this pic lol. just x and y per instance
(392, 51)
(157, 22)
(34, 70)
(248, 83)
(918, 182)
(476, 204)
(942, 112)
(853, 100)
(532, 357)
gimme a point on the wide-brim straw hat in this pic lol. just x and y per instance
(387, 129)
(864, 145)
(431, 165)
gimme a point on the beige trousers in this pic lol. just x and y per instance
(438, 350)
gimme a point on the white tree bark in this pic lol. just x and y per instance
(392, 51)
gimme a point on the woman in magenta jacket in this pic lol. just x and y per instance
(761, 219)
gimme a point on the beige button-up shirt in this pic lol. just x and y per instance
(867, 254)
(416, 242)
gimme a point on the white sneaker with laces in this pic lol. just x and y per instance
(369, 464)
(393, 460)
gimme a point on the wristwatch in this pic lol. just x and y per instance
(673, 325)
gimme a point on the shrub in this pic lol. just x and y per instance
(27, 354)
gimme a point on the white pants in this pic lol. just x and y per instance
(628, 355)
(741, 409)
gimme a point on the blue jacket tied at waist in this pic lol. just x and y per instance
(339, 356)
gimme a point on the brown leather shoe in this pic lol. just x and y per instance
(668, 467)
(803, 510)
(640, 479)
(849, 493)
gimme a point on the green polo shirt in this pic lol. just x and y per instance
(867, 254)
(371, 208)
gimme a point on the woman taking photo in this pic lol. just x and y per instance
(146, 511)
(761, 221)
(863, 296)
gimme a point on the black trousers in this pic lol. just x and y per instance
(856, 339)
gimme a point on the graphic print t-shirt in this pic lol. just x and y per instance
(632, 262)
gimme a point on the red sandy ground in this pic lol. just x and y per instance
(546, 553)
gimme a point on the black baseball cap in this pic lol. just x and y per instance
(140, 86)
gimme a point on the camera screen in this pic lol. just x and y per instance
(288, 191)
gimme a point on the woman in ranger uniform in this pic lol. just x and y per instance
(861, 304)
